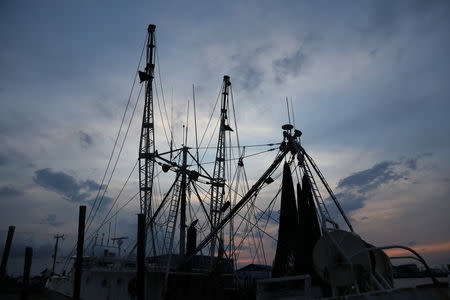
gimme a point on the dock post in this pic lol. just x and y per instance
(140, 263)
(6, 251)
(79, 259)
(26, 273)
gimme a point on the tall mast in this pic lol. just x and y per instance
(147, 140)
(218, 183)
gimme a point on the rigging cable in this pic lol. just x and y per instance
(93, 234)
(210, 117)
(162, 90)
(250, 155)
(89, 219)
(120, 128)
(104, 220)
(161, 115)
(117, 159)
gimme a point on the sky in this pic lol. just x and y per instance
(368, 81)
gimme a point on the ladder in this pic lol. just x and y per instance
(172, 218)
(170, 230)
(330, 191)
(324, 215)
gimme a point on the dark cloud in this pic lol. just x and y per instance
(10, 191)
(247, 73)
(14, 157)
(85, 139)
(65, 185)
(368, 180)
(51, 220)
(355, 189)
(249, 77)
(59, 182)
(351, 200)
(411, 163)
(3, 159)
(289, 65)
(91, 185)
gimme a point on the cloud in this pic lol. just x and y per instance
(51, 220)
(10, 191)
(85, 139)
(65, 185)
(3, 159)
(91, 185)
(250, 77)
(356, 188)
(247, 72)
(289, 65)
(412, 162)
(368, 180)
(14, 157)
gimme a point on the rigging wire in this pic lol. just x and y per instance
(162, 90)
(117, 159)
(112, 206)
(161, 115)
(103, 224)
(250, 155)
(210, 117)
(120, 193)
(247, 146)
(90, 216)
(210, 140)
(120, 128)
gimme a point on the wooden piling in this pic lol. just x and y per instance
(6, 251)
(26, 273)
(79, 259)
(140, 263)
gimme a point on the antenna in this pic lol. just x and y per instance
(195, 125)
(289, 115)
(187, 124)
(171, 126)
(182, 144)
(293, 114)
(109, 233)
(57, 237)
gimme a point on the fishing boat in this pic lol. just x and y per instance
(202, 219)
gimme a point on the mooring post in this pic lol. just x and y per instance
(79, 259)
(26, 273)
(140, 276)
(6, 251)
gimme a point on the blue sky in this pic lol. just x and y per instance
(368, 81)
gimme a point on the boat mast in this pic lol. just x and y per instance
(147, 139)
(218, 183)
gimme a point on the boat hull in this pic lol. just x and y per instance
(121, 285)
